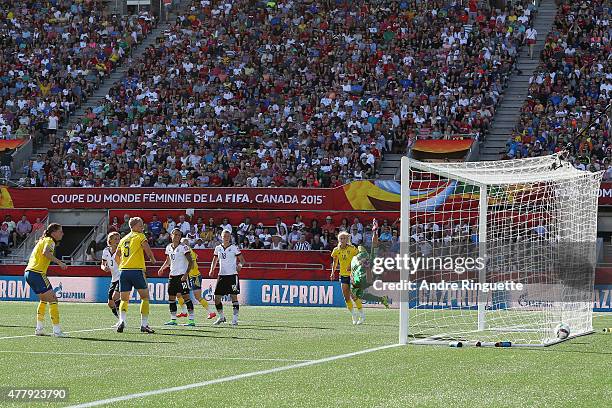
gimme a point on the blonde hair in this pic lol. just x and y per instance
(111, 235)
(343, 234)
(135, 221)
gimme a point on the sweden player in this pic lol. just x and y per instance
(342, 256)
(180, 262)
(230, 261)
(195, 282)
(361, 274)
(36, 277)
(110, 265)
(130, 257)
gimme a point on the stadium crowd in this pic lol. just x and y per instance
(53, 55)
(294, 235)
(570, 90)
(243, 93)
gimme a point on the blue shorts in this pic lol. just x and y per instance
(345, 279)
(38, 282)
(132, 278)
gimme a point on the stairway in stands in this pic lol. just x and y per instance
(508, 112)
(108, 82)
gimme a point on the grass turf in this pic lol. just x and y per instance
(102, 364)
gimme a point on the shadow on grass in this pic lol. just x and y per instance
(120, 341)
(208, 337)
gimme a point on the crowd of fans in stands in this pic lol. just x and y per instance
(295, 235)
(14, 233)
(287, 93)
(570, 90)
(53, 55)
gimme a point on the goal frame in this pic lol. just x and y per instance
(407, 164)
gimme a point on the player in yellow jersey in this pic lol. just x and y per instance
(195, 282)
(130, 258)
(342, 256)
(36, 276)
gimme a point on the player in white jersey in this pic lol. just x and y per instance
(230, 261)
(109, 264)
(179, 259)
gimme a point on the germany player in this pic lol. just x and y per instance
(110, 265)
(230, 261)
(130, 257)
(178, 258)
(195, 282)
(342, 256)
(36, 276)
(361, 274)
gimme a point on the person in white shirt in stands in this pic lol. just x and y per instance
(183, 225)
(109, 264)
(277, 243)
(531, 36)
(230, 261)
(302, 244)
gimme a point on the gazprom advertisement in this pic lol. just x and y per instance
(252, 292)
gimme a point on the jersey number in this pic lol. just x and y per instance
(126, 250)
(223, 255)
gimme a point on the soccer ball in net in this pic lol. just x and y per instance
(562, 330)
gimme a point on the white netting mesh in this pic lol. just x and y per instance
(539, 230)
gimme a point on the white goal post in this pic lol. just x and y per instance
(507, 251)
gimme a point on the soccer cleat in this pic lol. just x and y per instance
(235, 321)
(59, 333)
(181, 315)
(170, 323)
(116, 324)
(39, 332)
(361, 319)
(191, 323)
(385, 301)
(120, 327)
(146, 329)
(220, 319)
(355, 318)
(211, 315)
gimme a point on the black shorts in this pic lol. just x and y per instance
(176, 285)
(227, 285)
(114, 287)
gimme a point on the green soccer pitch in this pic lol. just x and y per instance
(288, 357)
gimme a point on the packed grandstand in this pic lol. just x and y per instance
(284, 94)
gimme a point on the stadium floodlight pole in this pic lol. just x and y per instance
(482, 253)
(404, 241)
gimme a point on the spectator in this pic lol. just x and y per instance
(266, 238)
(293, 237)
(244, 228)
(277, 243)
(302, 244)
(183, 225)
(281, 229)
(199, 244)
(328, 226)
(22, 230)
(155, 226)
(169, 225)
(225, 225)
(4, 239)
(163, 239)
(38, 225)
(124, 229)
(314, 228)
(256, 244)
(114, 225)
(298, 223)
(356, 236)
(317, 244)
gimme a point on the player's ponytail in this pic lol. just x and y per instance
(50, 230)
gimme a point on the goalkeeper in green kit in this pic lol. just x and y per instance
(361, 272)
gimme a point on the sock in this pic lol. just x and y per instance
(189, 305)
(358, 303)
(113, 309)
(236, 307)
(144, 312)
(181, 303)
(172, 309)
(349, 305)
(40, 314)
(204, 303)
(219, 307)
(54, 312)
(123, 308)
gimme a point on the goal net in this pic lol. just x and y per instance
(501, 252)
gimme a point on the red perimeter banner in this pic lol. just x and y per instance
(379, 195)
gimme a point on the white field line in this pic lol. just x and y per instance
(74, 331)
(230, 378)
(53, 353)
